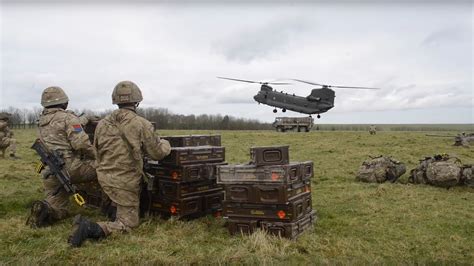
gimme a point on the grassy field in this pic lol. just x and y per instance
(358, 223)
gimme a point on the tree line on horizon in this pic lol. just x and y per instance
(162, 117)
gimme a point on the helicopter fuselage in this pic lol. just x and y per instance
(318, 102)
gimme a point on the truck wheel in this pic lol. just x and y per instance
(299, 129)
(307, 129)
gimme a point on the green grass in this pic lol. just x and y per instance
(358, 223)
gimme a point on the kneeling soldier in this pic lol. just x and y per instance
(61, 131)
(6, 140)
(121, 139)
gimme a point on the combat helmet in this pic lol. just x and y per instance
(126, 92)
(4, 116)
(53, 96)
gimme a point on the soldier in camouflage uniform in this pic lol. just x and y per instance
(61, 130)
(372, 130)
(121, 139)
(6, 140)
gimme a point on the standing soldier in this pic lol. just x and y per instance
(6, 140)
(61, 131)
(372, 130)
(120, 140)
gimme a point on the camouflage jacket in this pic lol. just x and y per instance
(120, 141)
(5, 130)
(62, 130)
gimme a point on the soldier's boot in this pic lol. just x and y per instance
(110, 211)
(40, 215)
(84, 229)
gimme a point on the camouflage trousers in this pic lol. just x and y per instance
(80, 171)
(126, 219)
(8, 143)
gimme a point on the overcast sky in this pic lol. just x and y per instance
(421, 55)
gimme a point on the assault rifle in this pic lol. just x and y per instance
(55, 162)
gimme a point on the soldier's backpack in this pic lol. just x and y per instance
(380, 169)
(467, 176)
(439, 170)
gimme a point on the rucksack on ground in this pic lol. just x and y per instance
(439, 170)
(380, 169)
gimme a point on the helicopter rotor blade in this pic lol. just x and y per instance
(259, 82)
(276, 83)
(308, 82)
(350, 87)
(333, 86)
(241, 80)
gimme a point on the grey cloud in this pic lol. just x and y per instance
(261, 42)
(458, 34)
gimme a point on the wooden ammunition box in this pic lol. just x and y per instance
(265, 192)
(289, 230)
(209, 202)
(294, 172)
(272, 155)
(193, 140)
(185, 173)
(194, 155)
(293, 210)
(176, 190)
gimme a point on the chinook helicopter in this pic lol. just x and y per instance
(319, 101)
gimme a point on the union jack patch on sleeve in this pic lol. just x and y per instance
(77, 128)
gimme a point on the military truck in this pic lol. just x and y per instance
(300, 124)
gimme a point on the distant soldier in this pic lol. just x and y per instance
(61, 131)
(380, 169)
(121, 139)
(6, 136)
(372, 130)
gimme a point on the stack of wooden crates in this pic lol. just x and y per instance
(269, 193)
(183, 184)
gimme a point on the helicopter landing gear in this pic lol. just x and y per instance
(275, 110)
(283, 110)
(318, 116)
